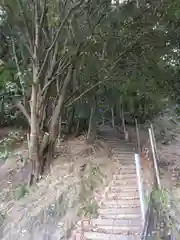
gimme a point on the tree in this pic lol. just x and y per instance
(79, 53)
(54, 44)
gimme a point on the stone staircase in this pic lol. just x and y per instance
(119, 215)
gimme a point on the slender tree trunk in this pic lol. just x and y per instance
(112, 115)
(49, 147)
(92, 124)
(34, 137)
(77, 128)
(58, 108)
(70, 121)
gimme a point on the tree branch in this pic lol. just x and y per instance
(59, 105)
(43, 14)
(23, 110)
(88, 90)
(16, 61)
(55, 77)
(57, 35)
(26, 23)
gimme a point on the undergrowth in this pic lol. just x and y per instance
(164, 207)
(21, 191)
(4, 155)
(91, 180)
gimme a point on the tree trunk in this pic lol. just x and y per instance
(34, 137)
(58, 108)
(41, 148)
(70, 121)
(49, 147)
(92, 124)
(77, 128)
(112, 115)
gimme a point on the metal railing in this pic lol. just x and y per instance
(150, 218)
(140, 187)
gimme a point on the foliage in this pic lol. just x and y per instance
(163, 213)
(4, 155)
(89, 208)
(21, 191)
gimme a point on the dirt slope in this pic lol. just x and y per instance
(51, 208)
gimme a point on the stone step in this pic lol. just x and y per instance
(121, 203)
(125, 181)
(131, 216)
(128, 229)
(123, 150)
(125, 205)
(122, 145)
(123, 157)
(123, 186)
(124, 175)
(123, 153)
(129, 166)
(118, 172)
(119, 142)
(123, 195)
(114, 222)
(120, 189)
(105, 236)
(121, 181)
(112, 211)
(115, 147)
(123, 160)
(125, 171)
(126, 164)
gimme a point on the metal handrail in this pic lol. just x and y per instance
(147, 214)
(138, 173)
(149, 223)
(140, 187)
(150, 218)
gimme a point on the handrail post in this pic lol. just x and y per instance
(138, 137)
(140, 186)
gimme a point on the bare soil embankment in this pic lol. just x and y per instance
(50, 209)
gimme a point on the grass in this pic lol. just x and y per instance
(21, 191)
(7, 144)
(4, 155)
(91, 180)
(164, 208)
(89, 208)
